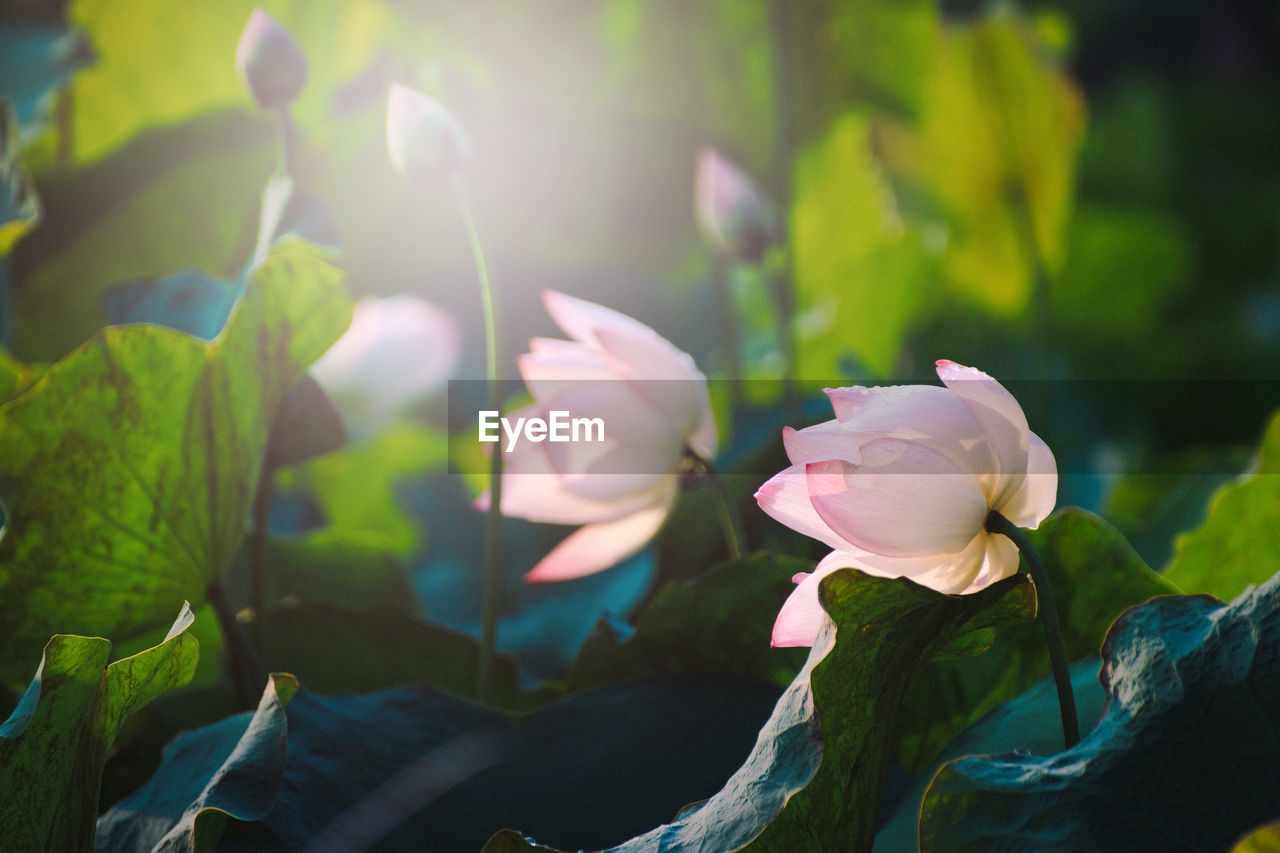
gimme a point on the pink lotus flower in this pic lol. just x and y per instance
(622, 488)
(270, 63)
(398, 351)
(900, 485)
(736, 217)
(425, 141)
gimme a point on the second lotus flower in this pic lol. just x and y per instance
(900, 484)
(654, 404)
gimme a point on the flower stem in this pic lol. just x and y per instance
(493, 517)
(288, 140)
(997, 523)
(780, 284)
(258, 548)
(722, 273)
(248, 675)
(734, 537)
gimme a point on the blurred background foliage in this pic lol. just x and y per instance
(1081, 198)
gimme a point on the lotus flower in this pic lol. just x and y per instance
(621, 489)
(425, 141)
(736, 217)
(397, 351)
(900, 485)
(270, 63)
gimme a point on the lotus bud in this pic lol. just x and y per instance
(735, 215)
(424, 140)
(270, 63)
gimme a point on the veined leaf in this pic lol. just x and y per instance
(814, 779)
(53, 747)
(130, 467)
(1186, 756)
(1238, 542)
(1095, 576)
(230, 769)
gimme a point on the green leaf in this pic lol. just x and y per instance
(19, 206)
(815, 777)
(356, 485)
(1265, 839)
(1186, 756)
(1095, 576)
(1031, 722)
(718, 624)
(180, 198)
(53, 747)
(861, 278)
(150, 73)
(416, 769)
(131, 466)
(1237, 544)
(16, 377)
(230, 769)
(337, 649)
(1004, 184)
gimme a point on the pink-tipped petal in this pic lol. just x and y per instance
(802, 615)
(785, 497)
(581, 320)
(1001, 419)
(533, 490)
(666, 377)
(926, 414)
(1038, 495)
(549, 371)
(640, 445)
(599, 546)
(904, 500)
(821, 442)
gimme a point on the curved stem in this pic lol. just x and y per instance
(734, 537)
(997, 523)
(493, 517)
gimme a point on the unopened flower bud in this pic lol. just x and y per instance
(736, 217)
(269, 62)
(424, 140)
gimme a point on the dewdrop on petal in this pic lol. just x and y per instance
(270, 63)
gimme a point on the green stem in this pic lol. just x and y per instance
(288, 141)
(728, 317)
(258, 550)
(734, 537)
(493, 518)
(248, 675)
(784, 297)
(997, 523)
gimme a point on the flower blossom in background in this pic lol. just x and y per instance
(398, 350)
(425, 141)
(654, 404)
(900, 485)
(735, 215)
(270, 63)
